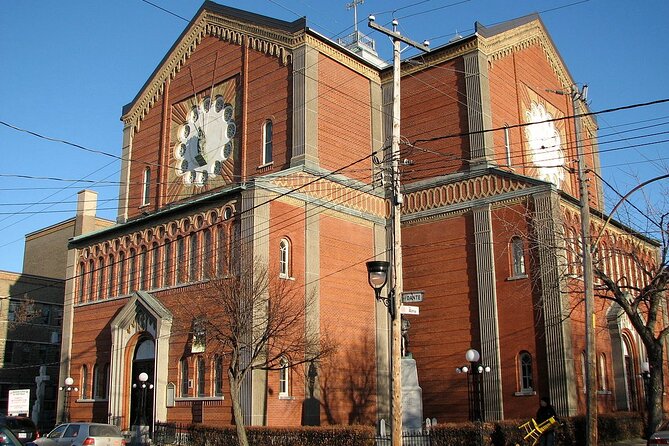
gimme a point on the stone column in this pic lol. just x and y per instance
(487, 306)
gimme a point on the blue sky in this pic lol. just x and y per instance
(70, 66)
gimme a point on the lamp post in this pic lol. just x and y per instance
(377, 275)
(474, 372)
(67, 389)
(143, 387)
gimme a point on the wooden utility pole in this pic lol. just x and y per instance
(396, 229)
(588, 277)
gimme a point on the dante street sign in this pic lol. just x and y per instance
(412, 296)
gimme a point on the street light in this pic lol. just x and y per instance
(377, 275)
(67, 389)
(143, 387)
(474, 374)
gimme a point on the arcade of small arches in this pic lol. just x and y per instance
(191, 249)
(616, 254)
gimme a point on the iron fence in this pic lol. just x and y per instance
(173, 434)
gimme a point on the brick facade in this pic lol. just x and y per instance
(486, 235)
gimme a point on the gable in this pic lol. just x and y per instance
(259, 33)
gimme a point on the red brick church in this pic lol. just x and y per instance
(257, 135)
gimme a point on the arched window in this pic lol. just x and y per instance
(525, 371)
(267, 142)
(208, 250)
(110, 275)
(82, 281)
(179, 260)
(222, 251)
(101, 278)
(84, 382)
(167, 272)
(218, 375)
(146, 186)
(155, 266)
(183, 366)
(200, 376)
(517, 257)
(284, 378)
(91, 274)
(284, 259)
(194, 270)
(602, 372)
(141, 283)
(132, 270)
(121, 273)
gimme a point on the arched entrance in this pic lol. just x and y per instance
(140, 344)
(143, 361)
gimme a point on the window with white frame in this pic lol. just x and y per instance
(284, 379)
(517, 257)
(267, 142)
(146, 186)
(284, 259)
(84, 382)
(525, 371)
(602, 372)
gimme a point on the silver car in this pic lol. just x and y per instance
(83, 434)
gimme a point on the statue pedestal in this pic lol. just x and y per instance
(412, 396)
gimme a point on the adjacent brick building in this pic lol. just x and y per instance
(260, 136)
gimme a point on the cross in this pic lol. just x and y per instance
(354, 4)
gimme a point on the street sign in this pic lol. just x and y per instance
(412, 296)
(409, 309)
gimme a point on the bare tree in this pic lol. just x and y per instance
(631, 269)
(255, 322)
(640, 293)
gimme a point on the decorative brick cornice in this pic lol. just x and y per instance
(334, 193)
(523, 37)
(459, 192)
(158, 233)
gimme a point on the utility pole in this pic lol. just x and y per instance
(588, 277)
(396, 228)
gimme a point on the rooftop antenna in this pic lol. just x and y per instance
(354, 5)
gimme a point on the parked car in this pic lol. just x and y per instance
(661, 436)
(23, 428)
(82, 434)
(7, 437)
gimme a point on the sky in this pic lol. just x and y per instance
(69, 66)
